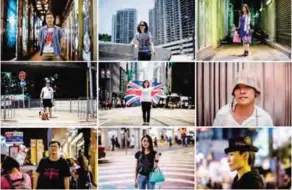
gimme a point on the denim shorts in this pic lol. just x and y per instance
(143, 182)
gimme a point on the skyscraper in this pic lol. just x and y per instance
(172, 20)
(187, 17)
(124, 25)
(114, 23)
(152, 22)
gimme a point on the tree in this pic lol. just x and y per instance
(105, 37)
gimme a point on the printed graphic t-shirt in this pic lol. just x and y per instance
(52, 173)
(144, 41)
(49, 48)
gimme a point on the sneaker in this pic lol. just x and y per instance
(147, 123)
(144, 123)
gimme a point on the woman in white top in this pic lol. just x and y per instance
(146, 100)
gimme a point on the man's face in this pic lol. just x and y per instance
(54, 149)
(48, 84)
(235, 160)
(244, 95)
(50, 20)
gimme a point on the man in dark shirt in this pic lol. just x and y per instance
(52, 172)
(241, 158)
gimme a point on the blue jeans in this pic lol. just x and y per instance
(143, 181)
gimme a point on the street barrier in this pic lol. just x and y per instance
(87, 108)
(8, 105)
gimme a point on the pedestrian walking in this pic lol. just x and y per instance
(85, 176)
(47, 97)
(117, 143)
(155, 142)
(144, 40)
(13, 178)
(244, 28)
(51, 39)
(147, 160)
(132, 142)
(241, 158)
(53, 172)
(113, 143)
(243, 110)
(186, 141)
(170, 141)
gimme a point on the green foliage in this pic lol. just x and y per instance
(105, 37)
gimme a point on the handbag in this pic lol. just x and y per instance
(156, 176)
(247, 39)
(236, 38)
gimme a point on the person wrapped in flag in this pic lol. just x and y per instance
(146, 93)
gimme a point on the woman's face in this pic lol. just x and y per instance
(142, 25)
(244, 9)
(145, 142)
(235, 160)
(146, 84)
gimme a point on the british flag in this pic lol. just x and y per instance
(134, 92)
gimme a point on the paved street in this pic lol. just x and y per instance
(31, 118)
(116, 171)
(180, 58)
(257, 53)
(159, 117)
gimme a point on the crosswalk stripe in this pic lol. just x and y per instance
(166, 173)
(125, 170)
(131, 181)
(160, 165)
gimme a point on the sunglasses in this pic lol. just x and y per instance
(142, 24)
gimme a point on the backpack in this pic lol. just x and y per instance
(21, 185)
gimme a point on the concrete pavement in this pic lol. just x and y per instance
(116, 171)
(257, 53)
(159, 117)
(30, 117)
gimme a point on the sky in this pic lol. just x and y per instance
(107, 8)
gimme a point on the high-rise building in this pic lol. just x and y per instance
(159, 22)
(124, 25)
(187, 9)
(152, 22)
(174, 23)
(114, 23)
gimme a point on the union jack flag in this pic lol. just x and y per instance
(134, 92)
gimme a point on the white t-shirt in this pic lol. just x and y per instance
(146, 95)
(47, 92)
(259, 118)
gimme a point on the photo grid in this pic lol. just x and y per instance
(152, 94)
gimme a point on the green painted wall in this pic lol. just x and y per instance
(210, 23)
(268, 19)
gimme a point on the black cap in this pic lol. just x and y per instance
(241, 144)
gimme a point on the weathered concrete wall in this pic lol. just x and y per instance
(115, 51)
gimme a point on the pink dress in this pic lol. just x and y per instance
(5, 184)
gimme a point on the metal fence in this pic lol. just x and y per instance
(87, 108)
(84, 107)
(8, 105)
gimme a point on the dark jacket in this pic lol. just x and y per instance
(250, 180)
